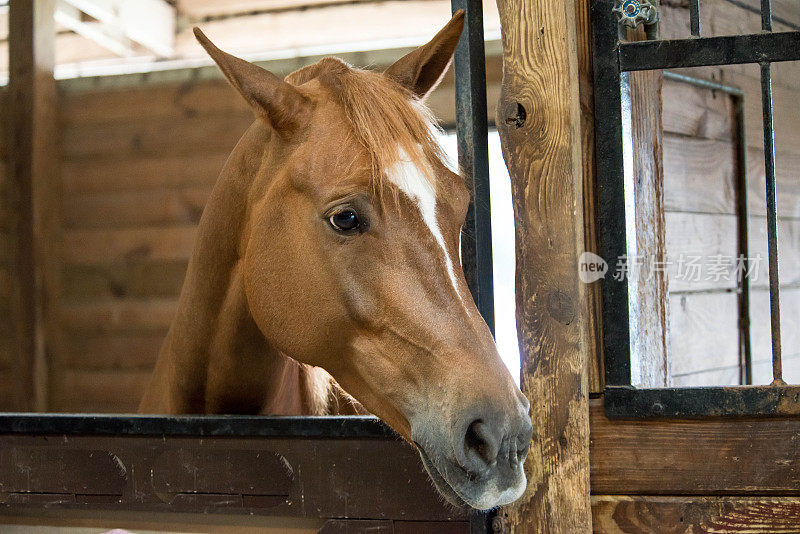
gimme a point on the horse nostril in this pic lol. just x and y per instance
(481, 444)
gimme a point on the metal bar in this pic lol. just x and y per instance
(702, 51)
(694, 17)
(766, 15)
(611, 191)
(743, 218)
(473, 157)
(684, 403)
(197, 425)
(705, 84)
(772, 221)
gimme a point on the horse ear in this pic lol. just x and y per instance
(273, 99)
(421, 71)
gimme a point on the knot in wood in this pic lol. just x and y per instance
(515, 114)
(560, 306)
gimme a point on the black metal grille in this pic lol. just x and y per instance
(612, 60)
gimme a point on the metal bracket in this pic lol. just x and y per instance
(631, 13)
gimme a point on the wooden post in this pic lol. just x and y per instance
(539, 121)
(33, 192)
(649, 286)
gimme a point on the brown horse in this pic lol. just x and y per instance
(331, 242)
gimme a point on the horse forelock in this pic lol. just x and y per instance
(388, 121)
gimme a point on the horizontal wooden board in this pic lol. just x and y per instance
(167, 102)
(710, 242)
(695, 112)
(730, 376)
(704, 336)
(151, 136)
(128, 245)
(111, 352)
(703, 333)
(164, 171)
(120, 280)
(159, 207)
(787, 178)
(762, 371)
(673, 457)
(698, 175)
(84, 391)
(113, 316)
(214, 8)
(617, 514)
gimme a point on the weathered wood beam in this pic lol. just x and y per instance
(648, 283)
(33, 175)
(539, 122)
(106, 36)
(745, 456)
(150, 23)
(722, 515)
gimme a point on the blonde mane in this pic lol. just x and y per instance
(386, 118)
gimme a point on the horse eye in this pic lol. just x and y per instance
(344, 221)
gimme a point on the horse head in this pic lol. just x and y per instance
(351, 262)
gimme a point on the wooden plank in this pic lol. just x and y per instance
(118, 352)
(704, 334)
(649, 298)
(696, 112)
(217, 132)
(698, 175)
(762, 374)
(213, 8)
(540, 75)
(98, 391)
(594, 294)
(167, 102)
(160, 207)
(111, 316)
(762, 371)
(613, 514)
(128, 245)
(787, 183)
(34, 190)
(710, 241)
(698, 238)
(700, 457)
(162, 171)
(332, 27)
(135, 280)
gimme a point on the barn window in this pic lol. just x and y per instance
(633, 385)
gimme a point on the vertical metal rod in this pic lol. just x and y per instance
(772, 221)
(766, 15)
(611, 192)
(746, 365)
(473, 157)
(694, 17)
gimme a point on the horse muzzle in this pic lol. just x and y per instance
(480, 462)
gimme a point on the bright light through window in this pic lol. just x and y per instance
(504, 258)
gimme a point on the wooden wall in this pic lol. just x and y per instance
(699, 167)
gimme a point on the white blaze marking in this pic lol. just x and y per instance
(410, 179)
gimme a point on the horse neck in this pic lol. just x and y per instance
(215, 359)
